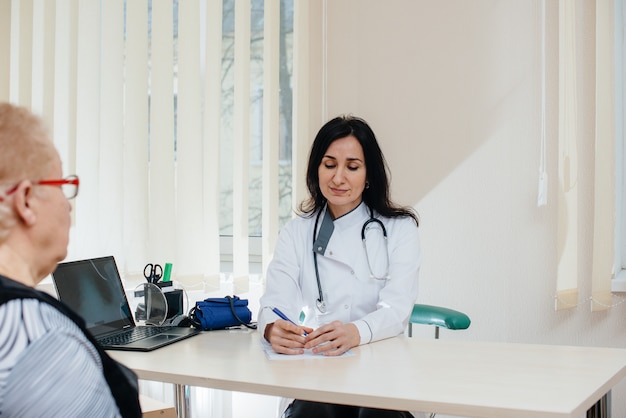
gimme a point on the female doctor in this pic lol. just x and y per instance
(349, 263)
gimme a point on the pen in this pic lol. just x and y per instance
(283, 316)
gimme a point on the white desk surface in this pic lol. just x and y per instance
(477, 379)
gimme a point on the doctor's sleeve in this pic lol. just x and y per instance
(282, 279)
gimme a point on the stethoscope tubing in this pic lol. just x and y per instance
(320, 302)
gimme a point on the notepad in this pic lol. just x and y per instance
(273, 355)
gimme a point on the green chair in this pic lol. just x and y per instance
(439, 317)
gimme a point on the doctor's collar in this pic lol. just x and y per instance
(327, 208)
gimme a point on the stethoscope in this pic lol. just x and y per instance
(320, 302)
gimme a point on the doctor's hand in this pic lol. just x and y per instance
(333, 339)
(285, 337)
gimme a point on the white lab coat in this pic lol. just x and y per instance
(379, 308)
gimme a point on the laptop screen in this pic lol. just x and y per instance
(93, 289)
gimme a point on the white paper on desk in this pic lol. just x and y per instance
(273, 355)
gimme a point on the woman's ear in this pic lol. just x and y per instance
(23, 203)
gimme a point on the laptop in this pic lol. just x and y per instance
(93, 289)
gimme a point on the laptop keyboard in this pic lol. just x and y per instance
(134, 334)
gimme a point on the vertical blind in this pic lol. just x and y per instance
(567, 240)
(241, 136)
(604, 160)
(604, 215)
(138, 98)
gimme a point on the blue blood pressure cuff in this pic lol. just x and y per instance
(220, 313)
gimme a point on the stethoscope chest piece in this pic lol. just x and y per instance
(321, 306)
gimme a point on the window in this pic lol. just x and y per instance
(171, 122)
(256, 113)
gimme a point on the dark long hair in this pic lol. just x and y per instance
(376, 196)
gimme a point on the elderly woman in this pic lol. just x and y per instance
(49, 364)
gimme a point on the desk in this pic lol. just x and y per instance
(477, 379)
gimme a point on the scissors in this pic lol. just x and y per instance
(153, 272)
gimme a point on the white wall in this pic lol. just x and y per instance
(453, 91)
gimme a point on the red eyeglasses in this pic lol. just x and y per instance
(68, 185)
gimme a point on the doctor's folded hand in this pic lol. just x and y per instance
(333, 339)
